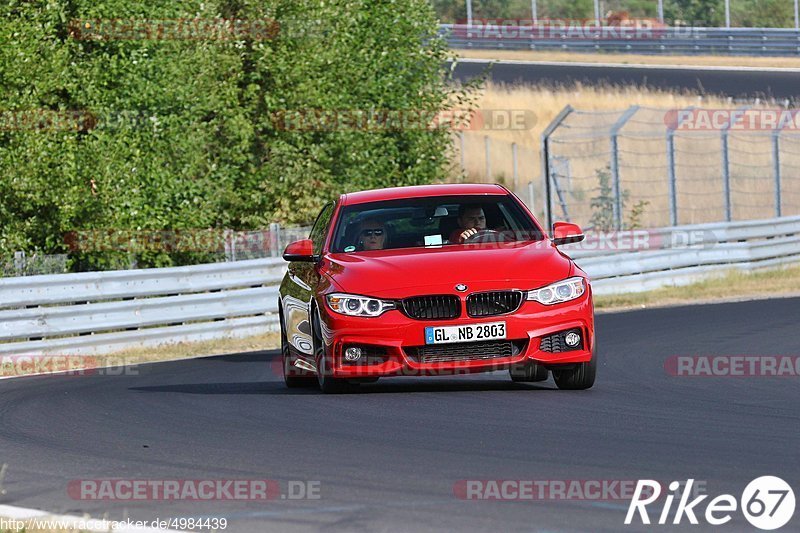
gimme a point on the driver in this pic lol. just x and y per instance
(471, 220)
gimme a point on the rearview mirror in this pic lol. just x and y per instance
(566, 233)
(300, 251)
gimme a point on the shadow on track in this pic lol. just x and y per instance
(264, 356)
(390, 385)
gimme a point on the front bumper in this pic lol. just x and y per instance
(394, 335)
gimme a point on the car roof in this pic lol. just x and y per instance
(422, 191)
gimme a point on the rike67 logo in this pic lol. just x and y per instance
(767, 503)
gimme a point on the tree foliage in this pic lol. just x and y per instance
(181, 132)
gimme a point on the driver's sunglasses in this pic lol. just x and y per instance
(371, 232)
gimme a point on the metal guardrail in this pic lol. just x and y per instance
(103, 312)
(706, 250)
(669, 40)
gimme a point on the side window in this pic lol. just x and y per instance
(320, 229)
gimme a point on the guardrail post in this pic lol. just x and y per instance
(615, 164)
(486, 149)
(545, 156)
(776, 168)
(514, 166)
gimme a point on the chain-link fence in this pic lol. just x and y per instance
(123, 248)
(646, 167)
(22, 264)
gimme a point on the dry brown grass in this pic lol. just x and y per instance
(184, 350)
(633, 59)
(735, 285)
(167, 352)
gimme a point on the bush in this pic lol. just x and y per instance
(181, 133)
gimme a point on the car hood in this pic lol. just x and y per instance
(407, 272)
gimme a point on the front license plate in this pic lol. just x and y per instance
(466, 333)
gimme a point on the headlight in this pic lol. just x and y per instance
(558, 292)
(352, 305)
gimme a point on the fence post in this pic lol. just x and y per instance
(274, 239)
(673, 188)
(673, 182)
(486, 148)
(776, 168)
(461, 154)
(19, 263)
(230, 245)
(531, 196)
(515, 167)
(545, 157)
(726, 167)
(615, 164)
(726, 175)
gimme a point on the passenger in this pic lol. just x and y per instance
(371, 235)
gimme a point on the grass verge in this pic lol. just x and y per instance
(733, 286)
(633, 59)
(17, 366)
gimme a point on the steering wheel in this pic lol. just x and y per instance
(481, 236)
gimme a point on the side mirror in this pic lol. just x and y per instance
(300, 251)
(566, 233)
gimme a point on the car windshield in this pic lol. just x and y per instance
(432, 222)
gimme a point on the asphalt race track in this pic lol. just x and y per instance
(735, 82)
(387, 459)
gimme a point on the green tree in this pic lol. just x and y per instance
(183, 135)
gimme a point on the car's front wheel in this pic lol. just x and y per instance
(327, 383)
(578, 377)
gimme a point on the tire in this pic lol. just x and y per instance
(527, 373)
(327, 383)
(292, 376)
(579, 377)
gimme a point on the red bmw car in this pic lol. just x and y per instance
(433, 280)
